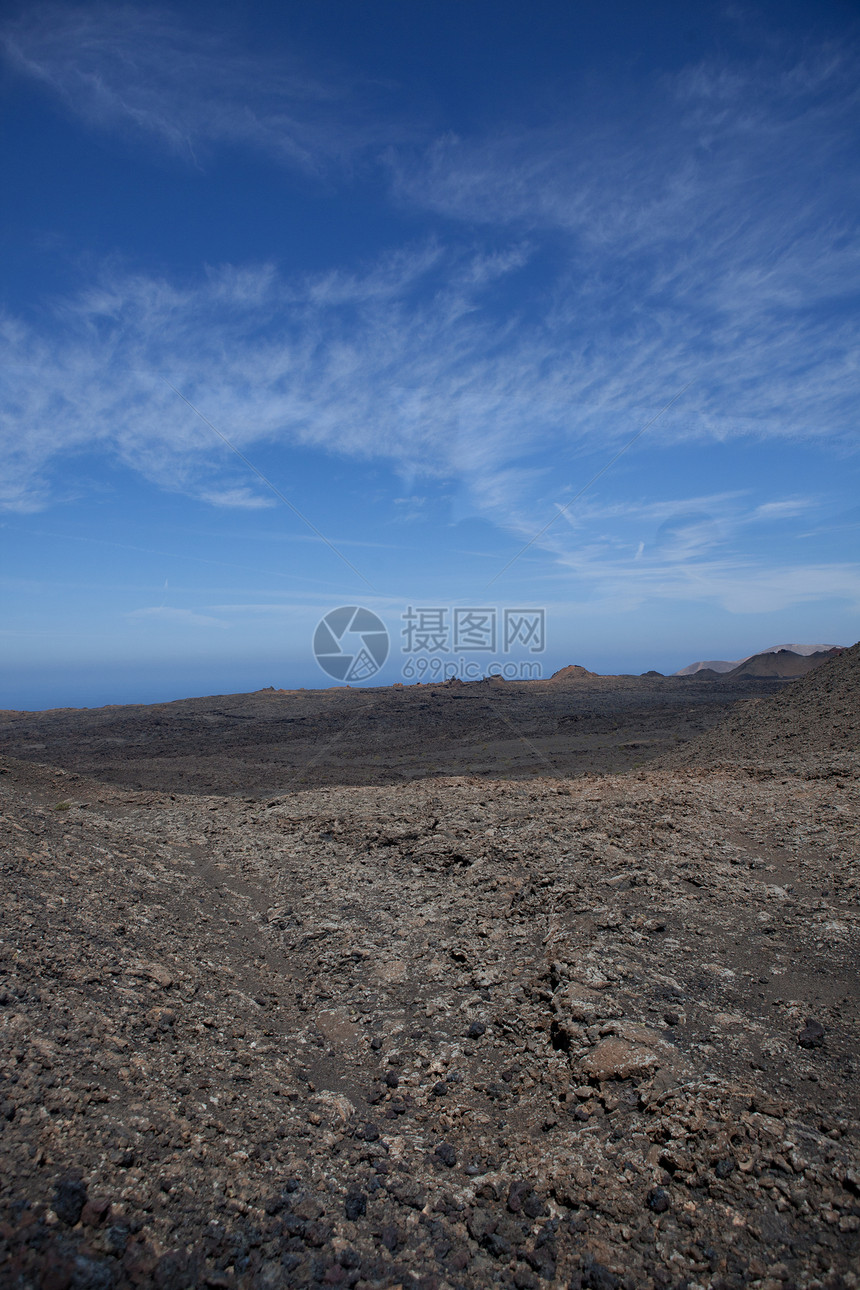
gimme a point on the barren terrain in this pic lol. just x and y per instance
(270, 1017)
(276, 741)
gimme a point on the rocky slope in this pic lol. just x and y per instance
(811, 728)
(782, 662)
(723, 665)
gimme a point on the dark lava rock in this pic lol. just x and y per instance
(496, 1245)
(533, 1206)
(70, 1196)
(95, 1211)
(479, 1224)
(542, 1264)
(440, 1089)
(446, 1154)
(596, 1277)
(355, 1205)
(276, 1204)
(476, 1029)
(812, 1034)
(517, 1193)
(658, 1200)
(317, 1234)
(115, 1239)
(95, 1274)
(724, 1167)
(390, 1237)
(408, 1193)
(293, 1226)
(172, 1272)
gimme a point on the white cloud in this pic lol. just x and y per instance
(141, 70)
(420, 371)
(737, 585)
(787, 509)
(240, 498)
(180, 617)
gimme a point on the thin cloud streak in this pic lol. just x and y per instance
(179, 617)
(136, 70)
(736, 585)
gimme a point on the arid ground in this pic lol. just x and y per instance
(277, 741)
(446, 986)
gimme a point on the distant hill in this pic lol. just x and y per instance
(573, 672)
(719, 665)
(783, 662)
(715, 665)
(811, 728)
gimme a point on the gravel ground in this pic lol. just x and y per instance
(591, 1032)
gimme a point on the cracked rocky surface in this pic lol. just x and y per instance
(593, 1032)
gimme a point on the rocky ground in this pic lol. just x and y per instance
(280, 740)
(590, 1032)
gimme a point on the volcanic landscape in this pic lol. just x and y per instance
(550, 984)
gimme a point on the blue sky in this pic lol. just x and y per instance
(428, 268)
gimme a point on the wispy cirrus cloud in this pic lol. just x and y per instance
(424, 365)
(706, 153)
(176, 617)
(241, 498)
(721, 217)
(720, 548)
(573, 278)
(142, 70)
(739, 585)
